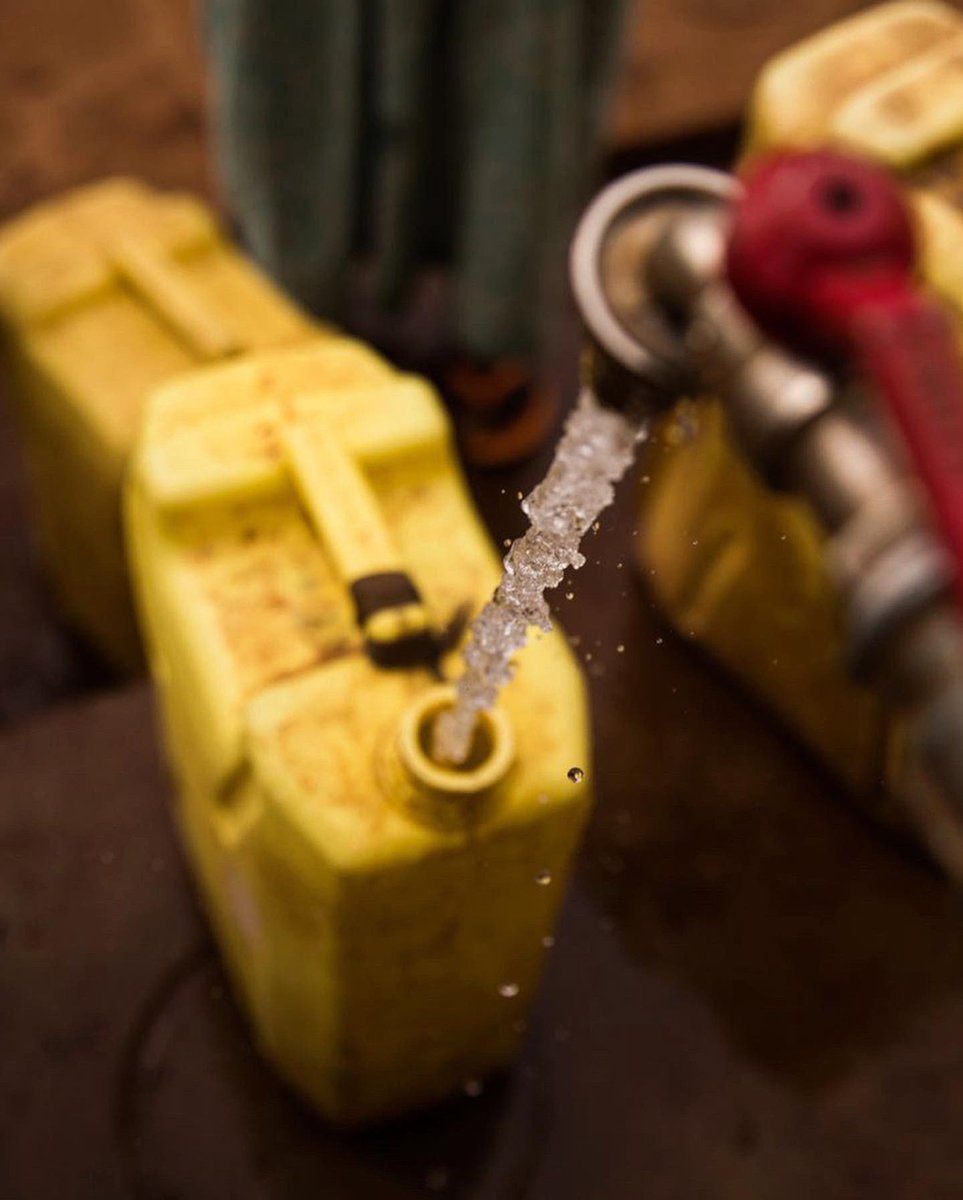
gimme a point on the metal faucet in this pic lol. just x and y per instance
(792, 299)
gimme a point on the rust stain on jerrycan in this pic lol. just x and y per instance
(301, 539)
(733, 564)
(104, 293)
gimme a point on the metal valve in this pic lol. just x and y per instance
(691, 283)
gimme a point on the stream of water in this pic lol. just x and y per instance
(594, 452)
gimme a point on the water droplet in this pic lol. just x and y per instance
(620, 649)
(646, 479)
(569, 595)
(508, 990)
(782, 537)
(659, 641)
(544, 877)
(507, 542)
(548, 941)
(437, 1179)
(519, 495)
(576, 774)
(695, 541)
(473, 1087)
(618, 566)
(597, 526)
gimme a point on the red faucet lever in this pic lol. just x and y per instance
(822, 254)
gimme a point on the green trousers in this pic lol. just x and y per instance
(415, 131)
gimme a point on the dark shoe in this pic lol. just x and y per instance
(502, 414)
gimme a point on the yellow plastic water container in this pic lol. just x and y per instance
(305, 554)
(104, 293)
(734, 565)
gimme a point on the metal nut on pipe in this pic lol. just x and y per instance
(845, 460)
(920, 658)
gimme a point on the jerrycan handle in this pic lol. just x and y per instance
(160, 285)
(347, 517)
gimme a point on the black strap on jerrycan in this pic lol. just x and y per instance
(390, 610)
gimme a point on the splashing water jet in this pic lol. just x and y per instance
(594, 452)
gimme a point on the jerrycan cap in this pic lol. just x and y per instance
(445, 795)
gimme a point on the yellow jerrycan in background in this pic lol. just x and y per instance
(305, 553)
(735, 566)
(104, 293)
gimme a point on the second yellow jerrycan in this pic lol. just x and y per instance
(733, 565)
(305, 554)
(106, 292)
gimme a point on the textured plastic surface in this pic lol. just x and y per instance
(104, 293)
(385, 956)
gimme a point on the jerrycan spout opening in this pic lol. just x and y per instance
(451, 795)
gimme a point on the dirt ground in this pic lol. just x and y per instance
(93, 89)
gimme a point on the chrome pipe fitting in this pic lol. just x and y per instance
(648, 272)
(635, 360)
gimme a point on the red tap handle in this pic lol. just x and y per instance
(822, 254)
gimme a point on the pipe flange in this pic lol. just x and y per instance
(639, 351)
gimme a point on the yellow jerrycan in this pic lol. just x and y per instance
(104, 293)
(305, 554)
(733, 565)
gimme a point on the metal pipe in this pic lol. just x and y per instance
(804, 431)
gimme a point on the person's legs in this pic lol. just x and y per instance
(421, 123)
(532, 73)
